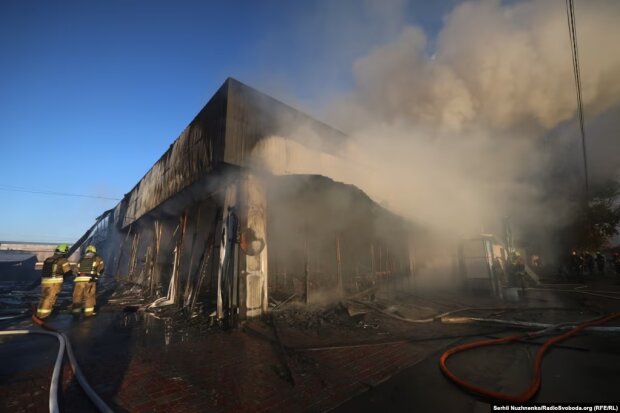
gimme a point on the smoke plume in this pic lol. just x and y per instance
(461, 129)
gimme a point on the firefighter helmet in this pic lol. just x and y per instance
(91, 248)
(62, 248)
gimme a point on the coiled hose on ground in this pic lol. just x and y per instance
(580, 290)
(536, 380)
(92, 395)
(53, 399)
(64, 345)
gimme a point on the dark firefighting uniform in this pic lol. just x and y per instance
(52, 276)
(89, 268)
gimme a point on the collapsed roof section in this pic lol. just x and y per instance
(224, 132)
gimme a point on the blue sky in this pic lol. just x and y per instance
(92, 93)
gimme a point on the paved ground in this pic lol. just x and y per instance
(138, 363)
(586, 375)
(220, 371)
(585, 368)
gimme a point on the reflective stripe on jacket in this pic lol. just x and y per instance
(51, 280)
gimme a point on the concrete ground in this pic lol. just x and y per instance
(585, 368)
(142, 363)
(588, 373)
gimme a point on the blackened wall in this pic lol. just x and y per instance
(225, 131)
(311, 217)
(195, 153)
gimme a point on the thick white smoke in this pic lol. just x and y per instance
(449, 131)
(493, 66)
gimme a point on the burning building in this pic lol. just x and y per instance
(230, 214)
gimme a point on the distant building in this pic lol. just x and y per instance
(41, 250)
(17, 266)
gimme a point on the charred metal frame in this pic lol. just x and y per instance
(171, 227)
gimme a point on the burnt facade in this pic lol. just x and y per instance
(206, 226)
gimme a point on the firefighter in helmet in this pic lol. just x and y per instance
(52, 276)
(90, 267)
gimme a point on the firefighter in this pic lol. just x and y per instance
(576, 265)
(90, 267)
(52, 276)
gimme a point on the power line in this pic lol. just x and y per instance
(572, 31)
(11, 188)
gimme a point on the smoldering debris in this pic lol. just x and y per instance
(340, 316)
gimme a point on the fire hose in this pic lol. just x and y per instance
(92, 395)
(53, 399)
(536, 380)
(444, 317)
(605, 294)
(13, 316)
(64, 344)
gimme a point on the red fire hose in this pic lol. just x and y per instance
(535, 384)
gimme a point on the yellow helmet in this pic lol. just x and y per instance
(62, 248)
(91, 248)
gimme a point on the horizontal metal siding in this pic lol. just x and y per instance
(226, 130)
(195, 152)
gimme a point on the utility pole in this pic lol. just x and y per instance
(572, 31)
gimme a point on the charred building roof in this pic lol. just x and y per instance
(205, 220)
(224, 132)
